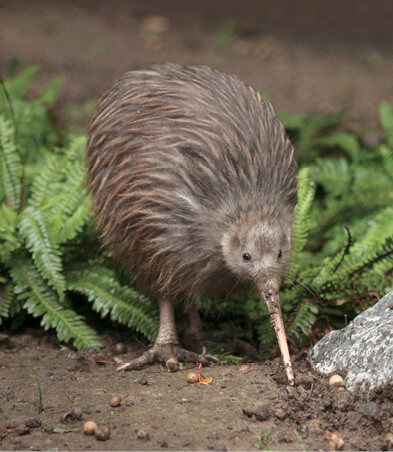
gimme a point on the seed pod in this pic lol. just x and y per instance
(172, 365)
(192, 378)
(115, 401)
(103, 433)
(336, 380)
(90, 427)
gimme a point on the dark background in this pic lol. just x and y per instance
(308, 55)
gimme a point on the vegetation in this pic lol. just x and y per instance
(51, 261)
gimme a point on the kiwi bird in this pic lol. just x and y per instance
(194, 183)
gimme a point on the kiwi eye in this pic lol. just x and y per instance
(246, 257)
(279, 254)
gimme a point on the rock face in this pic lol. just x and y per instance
(363, 349)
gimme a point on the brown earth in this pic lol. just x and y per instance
(307, 59)
(244, 408)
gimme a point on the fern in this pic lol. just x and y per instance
(302, 320)
(11, 171)
(51, 93)
(387, 156)
(123, 304)
(306, 193)
(41, 301)
(386, 118)
(5, 301)
(34, 229)
(18, 86)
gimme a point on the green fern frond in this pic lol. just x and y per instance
(18, 86)
(362, 257)
(51, 93)
(306, 193)
(41, 191)
(5, 301)
(386, 118)
(387, 156)
(11, 170)
(302, 320)
(77, 219)
(333, 175)
(34, 229)
(345, 141)
(71, 197)
(330, 264)
(41, 301)
(124, 304)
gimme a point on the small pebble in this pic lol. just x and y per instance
(335, 442)
(389, 441)
(260, 410)
(120, 348)
(115, 401)
(73, 415)
(142, 381)
(305, 380)
(192, 378)
(172, 365)
(142, 435)
(244, 368)
(280, 413)
(336, 380)
(89, 427)
(368, 409)
(103, 433)
(22, 430)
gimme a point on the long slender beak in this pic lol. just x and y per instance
(269, 287)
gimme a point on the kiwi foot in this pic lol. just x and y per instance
(170, 355)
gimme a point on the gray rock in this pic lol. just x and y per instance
(368, 409)
(363, 350)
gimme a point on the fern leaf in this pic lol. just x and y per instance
(386, 118)
(41, 301)
(5, 301)
(46, 253)
(345, 141)
(387, 156)
(302, 320)
(11, 171)
(41, 188)
(306, 193)
(75, 222)
(18, 86)
(73, 195)
(50, 94)
(124, 304)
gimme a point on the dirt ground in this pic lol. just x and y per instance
(306, 59)
(246, 407)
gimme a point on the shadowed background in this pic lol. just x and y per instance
(306, 55)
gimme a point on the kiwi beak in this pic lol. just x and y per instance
(269, 288)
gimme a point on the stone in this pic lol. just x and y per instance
(368, 409)
(261, 411)
(363, 350)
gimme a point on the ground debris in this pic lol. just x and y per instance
(259, 410)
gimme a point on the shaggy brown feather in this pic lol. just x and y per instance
(178, 157)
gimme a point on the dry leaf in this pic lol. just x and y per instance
(203, 380)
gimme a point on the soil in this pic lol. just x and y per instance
(306, 58)
(246, 406)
